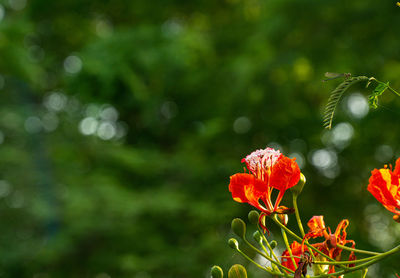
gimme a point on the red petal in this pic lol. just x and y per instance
(284, 174)
(246, 188)
(317, 227)
(378, 187)
(340, 232)
(296, 251)
(397, 168)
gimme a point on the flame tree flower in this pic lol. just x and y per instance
(328, 246)
(384, 186)
(268, 169)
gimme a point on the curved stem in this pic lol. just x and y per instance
(393, 91)
(267, 257)
(288, 247)
(298, 219)
(361, 266)
(389, 87)
(257, 264)
(296, 211)
(300, 239)
(271, 253)
(358, 250)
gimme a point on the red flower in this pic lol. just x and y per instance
(268, 169)
(384, 186)
(329, 246)
(297, 251)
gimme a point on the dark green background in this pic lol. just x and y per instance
(197, 86)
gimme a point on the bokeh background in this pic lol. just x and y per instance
(121, 122)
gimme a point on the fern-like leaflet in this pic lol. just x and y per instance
(335, 97)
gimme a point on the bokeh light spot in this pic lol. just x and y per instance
(17, 4)
(56, 101)
(33, 124)
(299, 159)
(357, 105)
(384, 153)
(72, 64)
(5, 188)
(2, 12)
(88, 126)
(242, 125)
(106, 131)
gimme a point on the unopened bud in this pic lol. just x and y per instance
(296, 190)
(216, 272)
(273, 244)
(253, 217)
(396, 218)
(283, 218)
(233, 243)
(237, 271)
(238, 227)
(257, 236)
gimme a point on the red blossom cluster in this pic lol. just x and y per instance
(329, 246)
(268, 169)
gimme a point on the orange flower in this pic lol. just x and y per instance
(384, 186)
(268, 169)
(329, 246)
(297, 251)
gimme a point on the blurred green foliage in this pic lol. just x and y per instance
(121, 122)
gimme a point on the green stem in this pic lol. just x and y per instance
(271, 253)
(358, 250)
(296, 211)
(346, 262)
(361, 266)
(269, 247)
(390, 88)
(298, 219)
(300, 239)
(288, 247)
(266, 256)
(393, 91)
(257, 264)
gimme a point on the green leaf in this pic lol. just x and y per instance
(335, 97)
(373, 98)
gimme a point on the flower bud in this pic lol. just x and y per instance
(216, 272)
(238, 227)
(257, 236)
(237, 271)
(296, 190)
(233, 243)
(273, 244)
(253, 217)
(396, 218)
(283, 218)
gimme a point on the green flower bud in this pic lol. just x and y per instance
(253, 217)
(296, 190)
(216, 272)
(273, 244)
(257, 236)
(237, 271)
(233, 243)
(238, 227)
